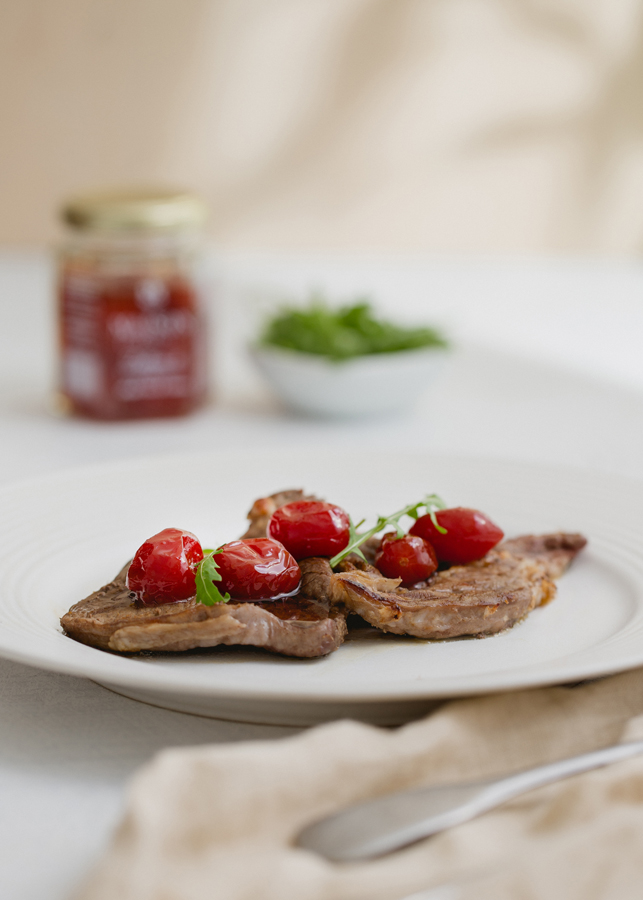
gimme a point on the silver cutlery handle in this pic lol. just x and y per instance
(499, 791)
(396, 820)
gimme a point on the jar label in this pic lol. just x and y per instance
(131, 346)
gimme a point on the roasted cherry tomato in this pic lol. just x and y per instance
(163, 569)
(410, 558)
(470, 534)
(257, 569)
(310, 528)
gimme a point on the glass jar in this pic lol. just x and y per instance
(131, 324)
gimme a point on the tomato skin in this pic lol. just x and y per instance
(410, 558)
(163, 568)
(257, 569)
(470, 535)
(310, 528)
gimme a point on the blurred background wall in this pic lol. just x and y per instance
(403, 125)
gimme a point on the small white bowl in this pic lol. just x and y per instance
(376, 384)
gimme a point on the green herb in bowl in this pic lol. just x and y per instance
(343, 333)
(346, 362)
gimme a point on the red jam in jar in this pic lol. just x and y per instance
(131, 327)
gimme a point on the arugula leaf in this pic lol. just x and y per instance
(207, 573)
(354, 537)
(431, 504)
(343, 333)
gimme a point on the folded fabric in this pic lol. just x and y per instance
(218, 822)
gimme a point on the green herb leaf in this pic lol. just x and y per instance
(343, 333)
(207, 573)
(354, 537)
(430, 504)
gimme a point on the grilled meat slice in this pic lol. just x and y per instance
(555, 551)
(294, 626)
(481, 598)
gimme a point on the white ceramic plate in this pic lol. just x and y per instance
(66, 535)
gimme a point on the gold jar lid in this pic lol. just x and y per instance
(143, 209)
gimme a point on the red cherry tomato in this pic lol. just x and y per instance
(470, 534)
(163, 569)
(310, 528)
(257, 569)
(410, 558)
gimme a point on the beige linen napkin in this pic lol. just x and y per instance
(217, 822)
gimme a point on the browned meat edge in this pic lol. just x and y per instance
(297, 626)
(481, 598)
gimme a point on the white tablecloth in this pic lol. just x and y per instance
(547, 367)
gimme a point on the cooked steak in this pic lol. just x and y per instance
(294, 626)
(477, 599)
(480, 598)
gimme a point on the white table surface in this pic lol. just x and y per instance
(548, 366)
